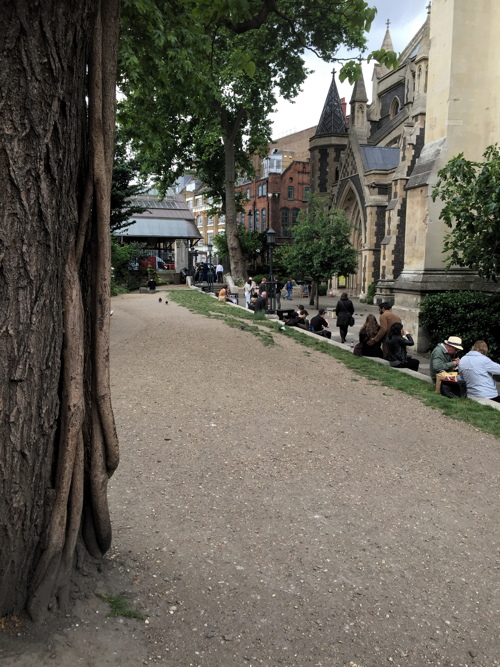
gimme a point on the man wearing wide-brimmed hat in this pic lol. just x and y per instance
(444, 356)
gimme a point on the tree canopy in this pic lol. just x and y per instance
(321, 244)
(200, 94)
(125, 184)
(470, 192)
(252, 243)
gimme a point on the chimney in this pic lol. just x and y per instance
(344, 106)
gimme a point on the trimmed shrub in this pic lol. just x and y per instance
(370, 293)
(470, 315)
(322, 290)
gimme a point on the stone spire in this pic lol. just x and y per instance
(359, 91)
(332, 119)
(387, 43)
(425, 42)
(381, 70)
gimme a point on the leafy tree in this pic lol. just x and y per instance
(321, 246)
(59, 443)
(251, 243)
(126, 183)
(122, 258)
(201, 92)
(471, 195)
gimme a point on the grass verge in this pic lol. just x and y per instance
(119, 607)
(480, 416)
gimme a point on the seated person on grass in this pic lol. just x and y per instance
(444, 358)
(260, 304)
(320, 325)
(477, 370)
(397, 341)
(299, 321)
(223, 294)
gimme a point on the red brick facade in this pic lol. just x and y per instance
(275, 200)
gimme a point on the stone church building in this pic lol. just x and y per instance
(381, 163)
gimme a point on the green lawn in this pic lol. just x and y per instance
(480, 416)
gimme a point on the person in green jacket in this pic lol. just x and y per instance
(444, 356)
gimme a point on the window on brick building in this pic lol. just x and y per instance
(295, 214)
(291, 192)
(256, 221)
(263, 220)
(250, 222)
(248, 193)
(307, 192)
(285, 222)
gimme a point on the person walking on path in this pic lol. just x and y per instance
(397, 341)
(279, 287)
(220, 272)
(262, 286)
(387, 319)
(344, 312)
(289, 289)
(477, 371)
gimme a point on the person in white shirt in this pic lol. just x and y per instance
(220, 272)
(248, 289)
(477, 370)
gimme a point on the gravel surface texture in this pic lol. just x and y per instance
(272, 508)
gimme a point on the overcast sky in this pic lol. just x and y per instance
(405, 16)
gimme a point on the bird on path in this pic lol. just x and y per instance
(159, 299)
(166, 303)
(243, 326)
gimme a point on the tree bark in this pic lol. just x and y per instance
(236, 259)
(57, 435)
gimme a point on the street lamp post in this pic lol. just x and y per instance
(271, 242)
(210, 274)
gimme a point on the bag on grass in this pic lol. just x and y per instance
(358, 349)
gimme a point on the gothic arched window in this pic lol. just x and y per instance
(395, 107)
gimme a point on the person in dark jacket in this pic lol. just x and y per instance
(299, 321)
(368, 331)
(320, 325)
(397, 342)
(344, 312)
(260, 304)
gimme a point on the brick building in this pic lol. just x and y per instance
(280, 187)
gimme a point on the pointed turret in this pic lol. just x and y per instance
(387, 46)
(332, 119)
(359, 91)
(387, 43)
(425, 42)
(359, 118)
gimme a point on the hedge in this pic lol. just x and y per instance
(470, 315)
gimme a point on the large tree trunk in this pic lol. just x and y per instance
(236, 259)
(57, 435)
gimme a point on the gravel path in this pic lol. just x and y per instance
(272, 508)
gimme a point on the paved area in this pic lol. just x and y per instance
(278, 510)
